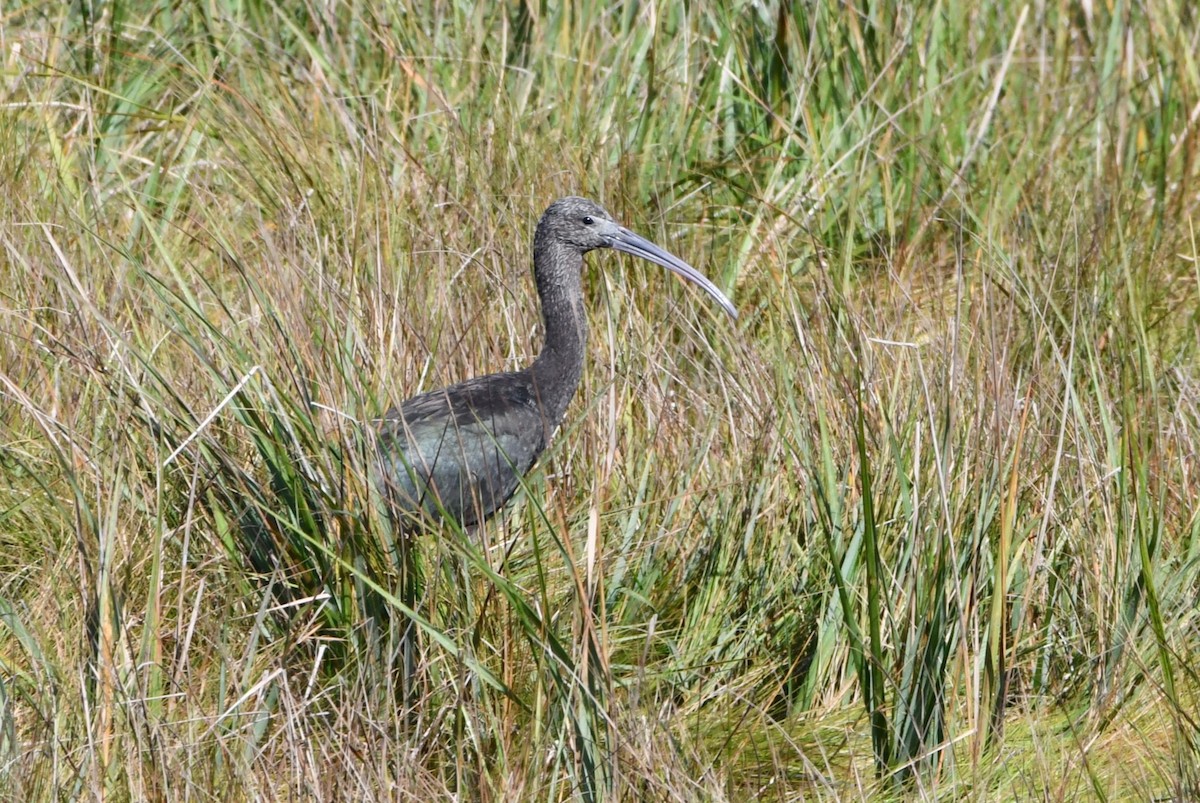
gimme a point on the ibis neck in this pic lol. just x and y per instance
(558, 369)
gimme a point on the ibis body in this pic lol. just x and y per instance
(461, 451)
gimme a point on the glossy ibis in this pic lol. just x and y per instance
(461, 451)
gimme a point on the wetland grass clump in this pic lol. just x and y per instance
(923, 524)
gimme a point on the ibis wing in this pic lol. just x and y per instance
(462, 450)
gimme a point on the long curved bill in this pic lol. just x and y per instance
(639, 246)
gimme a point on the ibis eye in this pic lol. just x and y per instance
(587, 220)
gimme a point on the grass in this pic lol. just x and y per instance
(921, 524)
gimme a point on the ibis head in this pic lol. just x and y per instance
(583, 225)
